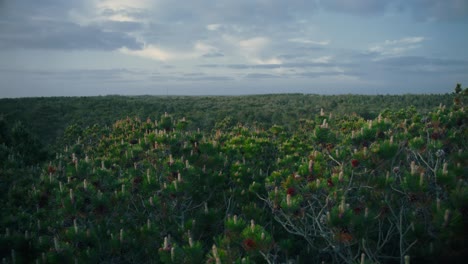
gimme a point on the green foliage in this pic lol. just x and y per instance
(49, 118)
(318, 188)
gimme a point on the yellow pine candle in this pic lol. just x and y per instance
(75, 225)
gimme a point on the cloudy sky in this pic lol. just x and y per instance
(204, 47)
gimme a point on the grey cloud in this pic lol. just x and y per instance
(437, 9)
(417, 60)
(361, 7)
(175, 35)
(315, 64)
(290, 56)
(259, 12)
(203, 78)
(229, 66)
(321, 74)
(189, 77)
(366, 55)
(131, 12)
(276, 66)
(179, 23)
(261, 76)
(291, 52)
(242, 66)
(62, 36)
(72, 75)
(420, 9)
(45, 25)
(121, 26)
(423, 65)
(211, 65)
(52, 9)
(213, 55)
(403, 68)
(240, 11)
(299, 52)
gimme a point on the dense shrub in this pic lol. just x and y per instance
(337, 189)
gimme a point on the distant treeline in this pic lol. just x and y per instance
(49, 117)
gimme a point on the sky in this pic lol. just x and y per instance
(231, 47)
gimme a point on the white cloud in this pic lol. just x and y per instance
(149, 52)
(267, 61)
(323, 59)
(121, 18)
(253, 45)
(390, 48)
(308, 41)
(117, 5)
(254, 50)
(408, 40)
(93, 11)
(203, 48)
(157, 53)
(213, 27)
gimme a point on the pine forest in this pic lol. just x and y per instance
(248, 179)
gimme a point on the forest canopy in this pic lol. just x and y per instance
(254, 179)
